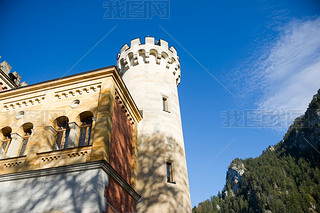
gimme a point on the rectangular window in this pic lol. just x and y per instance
(165, 104)
(169, 172)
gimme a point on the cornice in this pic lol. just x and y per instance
(125, 95)
(55, 83)
(110, 71)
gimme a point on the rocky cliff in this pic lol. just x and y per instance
(234, 175)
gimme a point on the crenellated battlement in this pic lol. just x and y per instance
(8, 79)
(151, 52)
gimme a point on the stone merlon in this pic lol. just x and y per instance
(8, 79)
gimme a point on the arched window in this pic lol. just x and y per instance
(63, 130)
(85, 128)
(5, 142)
(27, 131)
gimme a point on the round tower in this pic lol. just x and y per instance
(151, 72)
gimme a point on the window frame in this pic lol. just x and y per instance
(169, 169)
(165, 105)
(87, 138)
(8, 140)
(26, 137)
(64, 138)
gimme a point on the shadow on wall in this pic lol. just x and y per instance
(73, 192)
(69, 192)
(121, 142)
(121, 151)
(158, 195)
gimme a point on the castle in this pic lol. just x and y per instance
(106, 140)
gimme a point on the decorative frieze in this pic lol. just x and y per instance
(78, 91)
(50, 158)
(12, 164)
(36, 100)
(77, 154)
(124, 108)
(64, 156)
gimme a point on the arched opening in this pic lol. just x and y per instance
(154, 56)
(131, 59)
(164, 59)
(85, 128)
(63, 131)
(173, 60)
(5, 141)
(27, 131)
(142, 56)
(123, 66)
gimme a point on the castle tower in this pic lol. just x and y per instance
(9, 80)
(151, 71)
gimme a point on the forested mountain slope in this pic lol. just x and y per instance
(285, 178)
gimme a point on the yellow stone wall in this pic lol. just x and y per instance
(42, 103)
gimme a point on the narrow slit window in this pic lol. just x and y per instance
(165, 104)
(169, 172)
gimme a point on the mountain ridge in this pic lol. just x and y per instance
(284, 178)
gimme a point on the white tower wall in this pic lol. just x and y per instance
(152, 72)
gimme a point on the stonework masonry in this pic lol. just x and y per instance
(106, 140)
(151, 71)
(66, 162)
(8, 79)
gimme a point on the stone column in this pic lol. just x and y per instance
(73, 135)
(14, 145)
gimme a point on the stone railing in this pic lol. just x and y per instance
(63, 157)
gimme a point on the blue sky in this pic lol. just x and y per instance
(248, 67)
